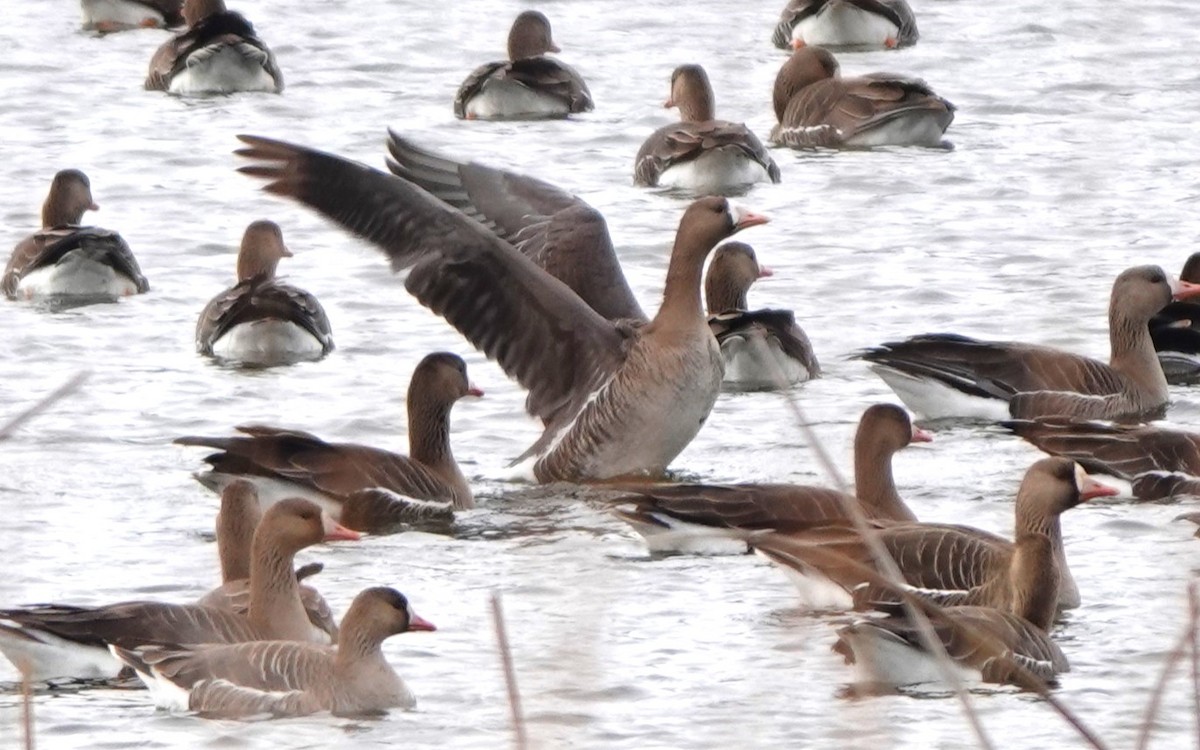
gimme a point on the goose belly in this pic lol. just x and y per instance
(913, 128)
(816, 590)
(842, 24)
(716, 171)
(271, 490)
(268, 342)
(76, 275)
(503, 99)
(42, 656)
(120, 14)
(757, 362)
(880, 656)
(223, 69)
(664, 534)
(932, 399)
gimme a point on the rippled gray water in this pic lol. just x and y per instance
(1076, 157)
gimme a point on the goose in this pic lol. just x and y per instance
(763, 349)
(945, 375)
(108, 16)
(287, 678)
(816, 108)
(879, 24)
(701, 153)
(686, 517)
(68, 262)
(218, 53)
(1175, 331)
(528, 84)
(1159, 461)
(285, 463)
(236, 522)
(1005, 645)
(950, 563)
(261, 320)
(615, 399)
(53, 641)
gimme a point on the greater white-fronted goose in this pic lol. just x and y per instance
(237, 521)
(261, 320)
(286, 678)
(218, 53)
(950, 563)
(66, 261)
(816, 107)
(61, 641)
(528, 84)
(763, 349)
(946, 375)
(670, 515)
(1159, 462)
(283, 463)
(615, 399)
(878, 24)
(1175, 331)
(108, 16)
(1007, 645)
(701, 153)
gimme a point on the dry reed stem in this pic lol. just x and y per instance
(510, 674)
(49, 400)
(27, 709)
(1174, 656)
(1195, 643)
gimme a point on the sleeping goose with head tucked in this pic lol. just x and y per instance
(614, 398)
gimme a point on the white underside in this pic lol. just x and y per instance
(501, 99)
(757, 362)
(716, 171)
(224, 69)
(816, 591)
(53, 658)
(845, 25)
(268, 342)
(681, 537)
(163, 692)
(271, 491)
(915, 128)
(931, 399)
(76, 276)
(881, 657)
(119, 13)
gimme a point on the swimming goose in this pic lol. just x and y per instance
(615, 399)
(286, 678)
(284, 463)
(816, 107)
(945, 375)
(1159, 462)
(119, 15)
(262, 320)
(685, 517)
(701, 153)
(218, 53)
(1005, 645)
(528, 84)
(61, 641)
(763, 349)
(66, 261)
(955, 564)
(1175, 331)
(236, 523)
(881, 24)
